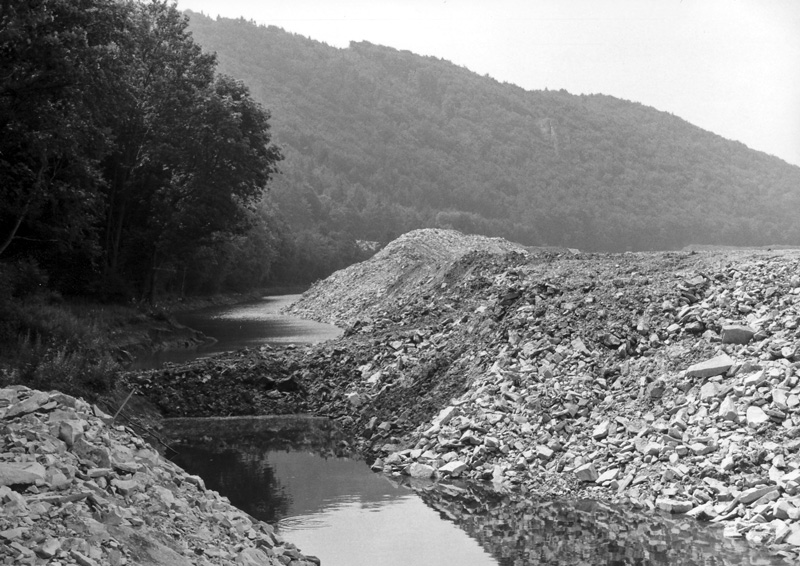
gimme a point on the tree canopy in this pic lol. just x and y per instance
(124, 155)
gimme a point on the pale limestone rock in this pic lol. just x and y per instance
(21, 473)
(71, 430)
(727, 409)
(544, 452)
(748, 496)
(445, 415)
(453, 468)
(756, 416)
(609, 475)
(709, 368)
(587, 473)
(794, 536)
(601, 430)
(48, 548)
(99, 455)
(251, 557)
(709, 391)
(36, 401)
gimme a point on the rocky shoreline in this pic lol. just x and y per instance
(666, 381)
(76, 488)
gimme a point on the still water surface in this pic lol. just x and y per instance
(243, 325)
(293, 471)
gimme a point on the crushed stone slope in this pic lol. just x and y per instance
(358, 291)
(666, 381)
(77, 489)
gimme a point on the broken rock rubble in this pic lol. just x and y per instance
(663, 380)
(669, 381)
(77, 489)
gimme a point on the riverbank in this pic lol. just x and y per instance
(665, 381)
(78, 347)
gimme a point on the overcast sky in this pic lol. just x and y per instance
(728, 66)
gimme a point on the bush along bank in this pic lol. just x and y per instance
(77, 346)
(77, 489)
(667, 381)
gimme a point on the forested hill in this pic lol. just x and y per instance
(379, 141)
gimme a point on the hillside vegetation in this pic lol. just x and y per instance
(379, 141)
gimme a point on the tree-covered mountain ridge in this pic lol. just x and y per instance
(379, 141)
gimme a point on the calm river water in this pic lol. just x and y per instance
(295, 471)
(243, 325)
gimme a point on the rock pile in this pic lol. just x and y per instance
(249, 382)
(77, 489)
(670, 381)
(360, 290)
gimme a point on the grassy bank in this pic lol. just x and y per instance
(72, 346)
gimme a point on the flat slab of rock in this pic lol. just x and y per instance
(709, 368)
(755, 493)
(36, 401)
(454, 468)
(737, 334)
(21, 473)
(675, 506)
(587, 473)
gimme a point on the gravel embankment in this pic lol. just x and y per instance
(667, 381)
(77, 489)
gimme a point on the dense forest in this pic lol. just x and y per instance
(126, 161)
(379, 141)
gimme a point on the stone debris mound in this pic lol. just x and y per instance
(665, 381)
(356, 291)
(77, 489)
(670, 381)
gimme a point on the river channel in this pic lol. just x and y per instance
(243, 325)
(297, 472)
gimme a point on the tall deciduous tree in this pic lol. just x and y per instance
(116, 134)
(192, 149)
(51, 134)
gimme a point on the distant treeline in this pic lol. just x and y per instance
(379, 141)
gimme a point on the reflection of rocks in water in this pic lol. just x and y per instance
(252, 488)
(271, 467)
(519, 530)
(283, 432)
(229, 454)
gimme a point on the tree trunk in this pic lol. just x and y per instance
(25, 209)
(13, 232)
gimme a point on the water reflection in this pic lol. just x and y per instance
(295, 471)
(519, 529)
(244, 325)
